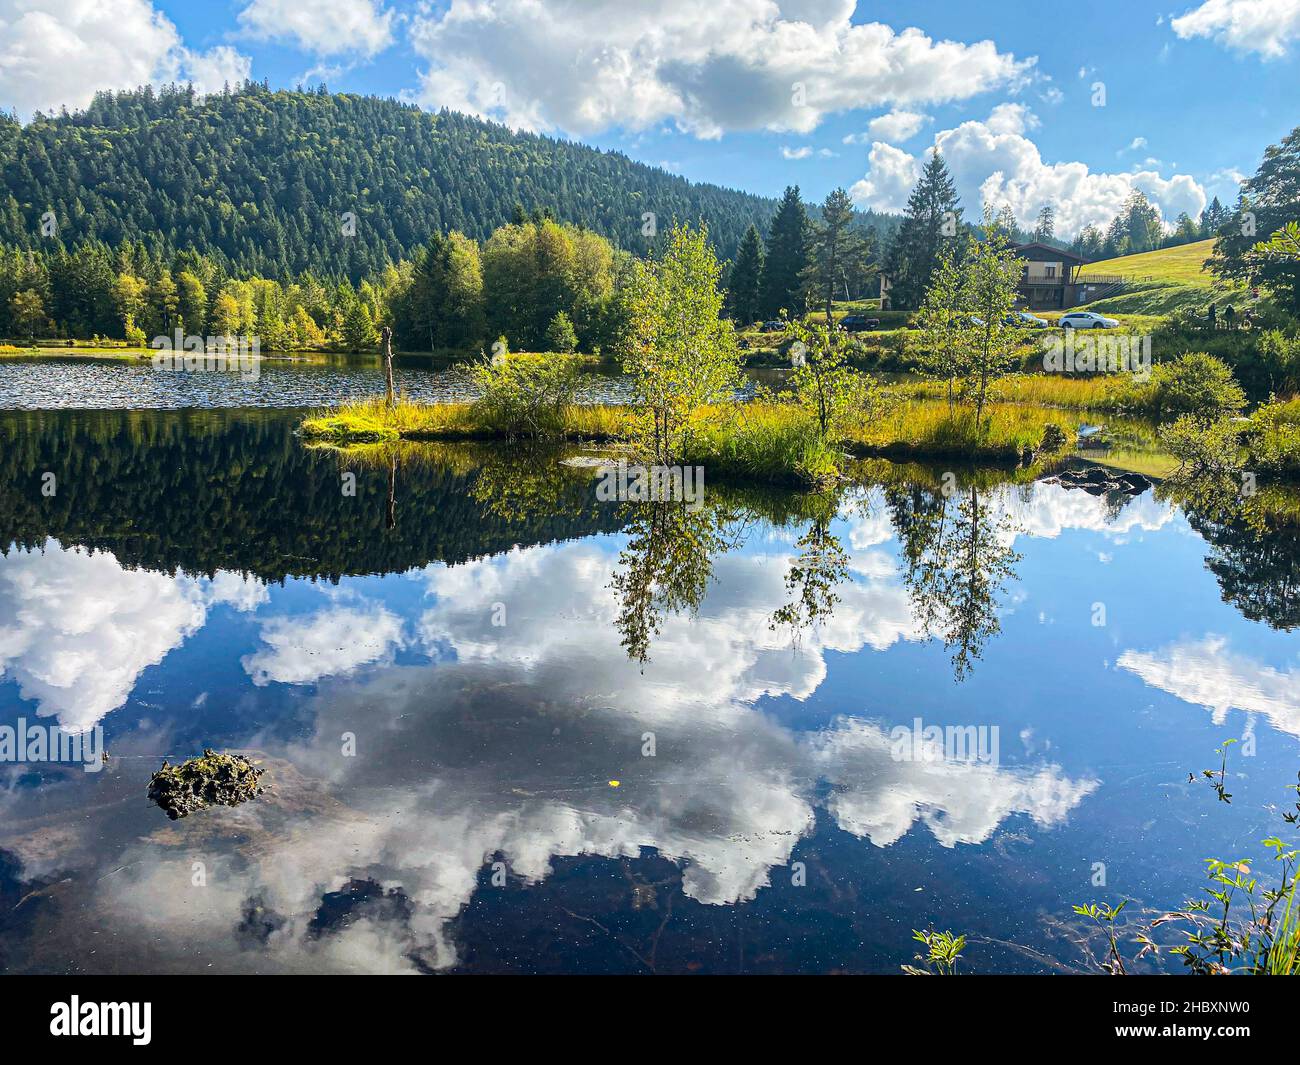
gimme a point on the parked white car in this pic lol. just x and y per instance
(1087, 320)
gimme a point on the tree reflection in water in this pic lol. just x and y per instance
(1254, 540)
(667, 564)
(955, 546)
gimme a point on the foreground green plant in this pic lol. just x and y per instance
(1237, 925)
(942, 951)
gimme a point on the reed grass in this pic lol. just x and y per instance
(771, 442)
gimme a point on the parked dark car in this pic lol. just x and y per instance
(772, 327)
(859, 323)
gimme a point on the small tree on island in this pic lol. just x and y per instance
(680, 353)
(945, 325)
(823, 382)
(964, 316)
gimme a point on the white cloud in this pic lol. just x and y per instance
(77, 628)
(891, 173)
(1264, 26)
(588, 65)
(1230, 175)
(213, 70)
(1209, 673)
(331, 642)
(1012, 118)
(993, 162)
(895, 127)
(59, 53)
(803, 152)
(322, 27)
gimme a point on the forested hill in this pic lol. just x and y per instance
(261, 179)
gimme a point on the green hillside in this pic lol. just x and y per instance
(261, 180)
(1161, 282)
(1181, 265)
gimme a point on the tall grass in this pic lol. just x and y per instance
(772, 442)
(930, 428)
(1043, 390)
(372, 420)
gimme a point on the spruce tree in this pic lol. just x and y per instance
(933, 217)
(1045, 230)
(746, 273)
(835, 249)
(787, 257)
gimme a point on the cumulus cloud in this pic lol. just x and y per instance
(891, 173)
(1011, 118)
(328, 643)
(994, 162)
(894, 127)
(1209, 673)
(323, 27)
(211, 71)
(59, 53)
(77, 629)
(1264, 26)
(588, 65)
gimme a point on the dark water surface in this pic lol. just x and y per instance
(85, 383)
(446, 672)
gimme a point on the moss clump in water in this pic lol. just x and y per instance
(213, 780)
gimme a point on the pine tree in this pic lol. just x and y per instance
(1045, 229)
(1267, 202)
(746, 274)
(1212, 218)
(787, 257)
(1142, 223)
(1089, 243)
(834, 249)
(933, 217)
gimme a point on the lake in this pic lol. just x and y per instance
(510, 728)
(121, 383)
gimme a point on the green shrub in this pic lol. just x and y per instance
(1196, 383)
(1203, 447)
(560, 335)
(526, 395)
(1273, 440)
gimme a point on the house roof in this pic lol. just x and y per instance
(1050, 249)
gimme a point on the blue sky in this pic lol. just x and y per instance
(756, 94)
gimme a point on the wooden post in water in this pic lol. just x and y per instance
(390, 518)
(386, 337)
